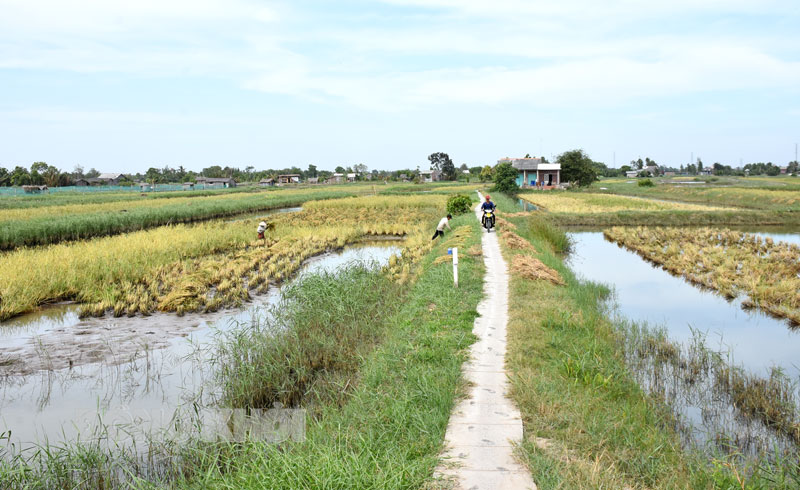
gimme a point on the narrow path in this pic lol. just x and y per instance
(484, 426)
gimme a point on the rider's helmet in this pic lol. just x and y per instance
(488, 197)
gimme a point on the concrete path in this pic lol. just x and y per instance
(483, 426)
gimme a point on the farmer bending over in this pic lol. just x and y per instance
(262, 227)
(440, 227)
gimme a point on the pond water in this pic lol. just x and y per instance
(143, 386)
(646, 293)
(527, 206)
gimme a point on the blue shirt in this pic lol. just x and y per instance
(487, 205)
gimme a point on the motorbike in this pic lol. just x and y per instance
(488, 220)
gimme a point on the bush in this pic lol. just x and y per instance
(646, 183)
(459, 204)
(505, 179)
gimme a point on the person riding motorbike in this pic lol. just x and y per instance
(488, 205)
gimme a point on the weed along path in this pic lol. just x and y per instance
(485, 425)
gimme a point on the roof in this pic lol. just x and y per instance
(110, 176)
(188, 183)
(266, 181)
(289, 175)
(427, 171)
(337, 174)
(215, 179)
(351, 176)
(313, 179)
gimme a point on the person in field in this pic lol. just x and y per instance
(262, 227)
(440, 227)
(488, 205)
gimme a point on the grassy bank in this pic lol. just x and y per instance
(587, 423)
(679, 218)
(378, 365)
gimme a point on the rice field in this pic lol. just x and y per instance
(562, 202)
(730, 262)
(206, 266)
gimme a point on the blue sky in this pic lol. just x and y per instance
(123, 86)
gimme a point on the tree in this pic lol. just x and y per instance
(360, 168)
(505, 178)
(475, 170)
(92, 173)
(339, 169)
(577, 167)
(438, 160)
(448, 170)
(487, 173)
(312, 170)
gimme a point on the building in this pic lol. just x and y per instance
(34, 189)
(188, 186)
(631, 173)
(266, 182)
(289, 179)
(217, 181)
(111, 179)
(337, 178)
(313, 180)
(534, 172)
(81, 182)
(430, 175)
(145, 186)
(351, 177)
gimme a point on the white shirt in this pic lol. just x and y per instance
(443, 223)
(262, 227)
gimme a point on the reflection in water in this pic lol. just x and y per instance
(48, 405)
(527, 206)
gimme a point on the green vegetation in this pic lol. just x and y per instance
(459, 204)
(577, 168)
(505, 178)
(645, 183)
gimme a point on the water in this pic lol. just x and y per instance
(645, 293)
(526, 206)
(139, 385)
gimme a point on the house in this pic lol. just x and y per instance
(313, 180)
(34, 189)
(81, 182)
(188, 186)
(533, 172)
(145, 186)
(351, 177)
(631, 173)
(112, 179)
(705, 171)
(669, 174)
(430, 175)
(289, 179)
(651, 169)
(337, 178)
(217, 181)
(784, 170)
(266, 182)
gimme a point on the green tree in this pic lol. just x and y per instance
(312, 170)
(448, 170)
(438, 160)
(487, 173)
(577, 168)
(505, 178)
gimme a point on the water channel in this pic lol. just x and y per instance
(140, 378)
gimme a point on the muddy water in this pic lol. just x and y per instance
(136, 378)
(646, 294)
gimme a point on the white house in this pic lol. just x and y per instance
(534, 172)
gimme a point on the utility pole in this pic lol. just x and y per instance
(795, 153)
(615, 160)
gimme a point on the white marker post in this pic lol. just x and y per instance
(455, 266)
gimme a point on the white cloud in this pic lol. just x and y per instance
(540, 53)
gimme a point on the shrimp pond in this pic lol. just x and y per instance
(712, 330)
(62, 377)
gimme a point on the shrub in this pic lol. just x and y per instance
(505, 179)
(646, 183)
(459, 204)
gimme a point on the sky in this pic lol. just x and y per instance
(122, 86)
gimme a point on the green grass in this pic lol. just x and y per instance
(744, 217)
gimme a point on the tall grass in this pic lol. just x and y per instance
(571, 202)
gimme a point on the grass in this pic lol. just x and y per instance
(583, 203)
(379, 409)
(773, 194)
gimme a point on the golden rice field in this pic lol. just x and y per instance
(562, 202)
(730, 262)
(204, 267)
